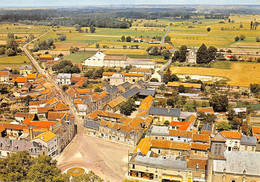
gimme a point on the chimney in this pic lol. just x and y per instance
(51, 127)
(42, 137)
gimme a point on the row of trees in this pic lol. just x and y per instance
(241, 37)
(206, 55)
(94, 73)
(126, 39)
(65, 67)
(43, 45)
(11, 48)
(155, 51)
(180, 55)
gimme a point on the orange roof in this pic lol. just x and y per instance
(116, 101)
(14, 126)
(31, 76)
(27, 120)
(143, 146)
(23, 115)
(205, 132)
(108, 73)
(181, 125)
(193, 163)
(170, 145)
(83, 91)
(105, 114)
(206, 110)
(201, 137)
(52, 101)
(41, 110)
(4, 73)
(142, 113)
(61, 107)
(200, 146)
(53, 116)
(1, 128)
(78, 101)
(231, 134)
(21, 79)
(181, 133)
(147, 102)
(42, 124)
(256, 130)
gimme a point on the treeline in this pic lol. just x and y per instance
(154, 25)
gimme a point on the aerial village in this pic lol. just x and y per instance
(180, 131)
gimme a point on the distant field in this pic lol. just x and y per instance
(240, 74)
(13, 61)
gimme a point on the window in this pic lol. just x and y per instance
(233, 180)
(159, 151)
(245, 147)
(162, 138)
(133, 166)
(156, 138)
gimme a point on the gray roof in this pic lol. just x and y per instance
(160, 162)
(64, 76)
(238, 162)
(206, 127)
(26, 66)
(160, 131)
(91, 124)
(248, 140)
(125, 84)
(131, 92)
(164, 111)
(146, 92)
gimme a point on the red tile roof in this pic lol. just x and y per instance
(4, 73)
(193, 163)
(53, 116)
(200, 137)
(200, 146)
(170, 145)
(231, 134)
(181, 133)
(23, 115)
(21, 79)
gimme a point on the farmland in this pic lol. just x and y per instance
(13, 61)
(240, 74)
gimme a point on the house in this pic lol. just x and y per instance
(234, 167)
(13, 131)
(144, 71)
(199, 150)
(192, 56)
(164, 114)
(116, 79)
(114, 105)
(4, 76)
(248, 144)
(143, 93)
(146, 104)
(256, 132)
(63, 79)
(114, 61)
(21, 116)
(133, 77)
(50, 141)
(25, 70)
(233, 139)
(31, 77)
(21, 81)
(218, 145)
(8, 146)
(95, 60)
(106, 116)
(141, 63)
(124, 87)
(158, 76)
(112, 91)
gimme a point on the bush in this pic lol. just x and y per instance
(236, 38)
(242, 37)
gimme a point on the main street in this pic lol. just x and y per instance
(106, 159)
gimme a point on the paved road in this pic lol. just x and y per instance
(64, 97)
(108, 160)
(162, 41)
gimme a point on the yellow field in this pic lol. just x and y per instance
(13, 61)
(240, 74)
(126, 51)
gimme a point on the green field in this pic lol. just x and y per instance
(80, 56)
(13, 61)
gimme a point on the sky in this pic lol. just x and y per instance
(37, 3)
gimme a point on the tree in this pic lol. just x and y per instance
(166, 123)
(97, 89)
(170, 102)
(161, 87)
(123, 38)
(237, 95)
(166, 54)
(97, 45)
(212, 51)
(162, 102)
(182, 53)
(65, 87)
(50, 41)
(236, 38)
(21, 166)
(206, 118)
(219, 103)
(181, 89)
(153, 51)
(86, 30)
(89, 177)
(10, 52)
(12, 44)
(154, 80)
(10, 36)
(2, 50)
(254, 88)
(128, 107)
(202, 54)
(257, 39)
(62, 37)
(242, 37)
(208, 29)
(176, 55)
(128, 39)
(167, 39)
(245, 128)
(92, 29)
(223, 125)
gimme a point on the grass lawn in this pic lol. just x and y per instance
(13, 61)
(240, 74)
(254, 106)
(80, 56)
(221, 65)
